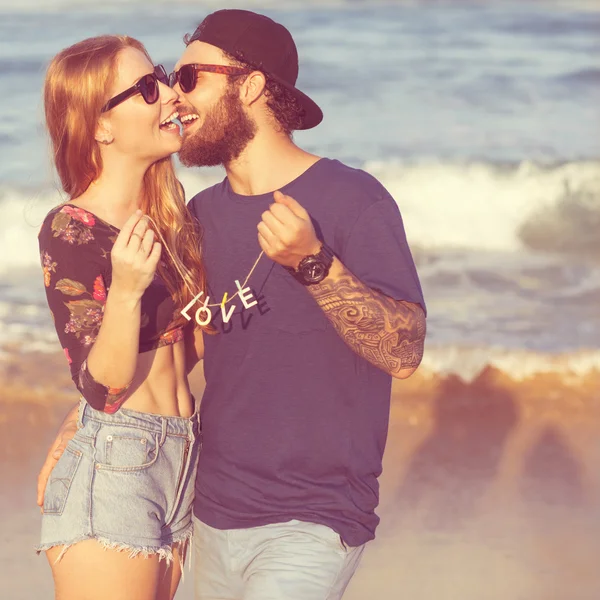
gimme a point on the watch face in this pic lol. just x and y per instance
(313, 271)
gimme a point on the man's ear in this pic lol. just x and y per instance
(253, 88)
(103, 133)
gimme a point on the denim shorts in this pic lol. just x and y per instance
(126, 480)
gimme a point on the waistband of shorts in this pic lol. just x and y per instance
(180, 426)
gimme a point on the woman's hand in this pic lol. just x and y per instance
(134, 257)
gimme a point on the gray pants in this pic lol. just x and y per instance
(284, 561)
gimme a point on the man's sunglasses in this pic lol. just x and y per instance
(147, 86)
(187, 75)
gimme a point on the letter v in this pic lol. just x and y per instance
(227, 315)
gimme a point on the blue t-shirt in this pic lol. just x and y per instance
(294, 422)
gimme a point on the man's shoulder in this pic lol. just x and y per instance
(352, 185)
(206, 197)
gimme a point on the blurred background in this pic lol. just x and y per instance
(483, 121)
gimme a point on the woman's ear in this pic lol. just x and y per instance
(103, 133)
(253, 88)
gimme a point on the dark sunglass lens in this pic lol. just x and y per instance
(187, 78)
(161, 74)
(149, 89)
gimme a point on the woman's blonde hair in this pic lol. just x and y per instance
(75, 90)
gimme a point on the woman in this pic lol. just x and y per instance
(120, 261)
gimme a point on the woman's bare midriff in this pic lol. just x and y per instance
(160, 384)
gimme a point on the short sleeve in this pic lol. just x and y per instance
(73, 263)
(377, 252)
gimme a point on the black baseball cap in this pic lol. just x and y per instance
(262, 42)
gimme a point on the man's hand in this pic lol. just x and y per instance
(65, 433)
(286, 233)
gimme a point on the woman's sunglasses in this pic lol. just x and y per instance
(147, 86)
(187, 75)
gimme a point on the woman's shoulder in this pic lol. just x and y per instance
(71, 227)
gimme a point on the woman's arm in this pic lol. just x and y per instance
(112, 360)
(98, 330)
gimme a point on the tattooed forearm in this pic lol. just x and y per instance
(388, 333)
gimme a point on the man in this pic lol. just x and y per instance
(298, 375)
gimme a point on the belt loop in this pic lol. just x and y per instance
(163, 430)
(80, 412)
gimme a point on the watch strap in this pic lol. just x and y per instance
(324, 256)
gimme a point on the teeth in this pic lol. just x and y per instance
(189, 117)
(170, 119)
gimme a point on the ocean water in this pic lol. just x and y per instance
(481, 118)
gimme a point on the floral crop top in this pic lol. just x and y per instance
(75, 250)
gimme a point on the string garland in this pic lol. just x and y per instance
(226, 299)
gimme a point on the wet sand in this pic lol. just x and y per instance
(490, 488)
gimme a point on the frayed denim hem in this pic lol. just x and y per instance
(164, 552)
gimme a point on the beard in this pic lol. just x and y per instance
(226, 132)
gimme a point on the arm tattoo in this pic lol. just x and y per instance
(389, 333)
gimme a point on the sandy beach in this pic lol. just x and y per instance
(490, 488)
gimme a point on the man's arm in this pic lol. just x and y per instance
(389, 333)
(65, 433)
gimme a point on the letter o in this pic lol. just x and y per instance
(207, 319)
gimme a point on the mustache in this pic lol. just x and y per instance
(184, 110)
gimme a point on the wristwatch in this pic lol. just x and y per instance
(314, 267)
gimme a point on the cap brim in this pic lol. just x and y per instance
(313, 115)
